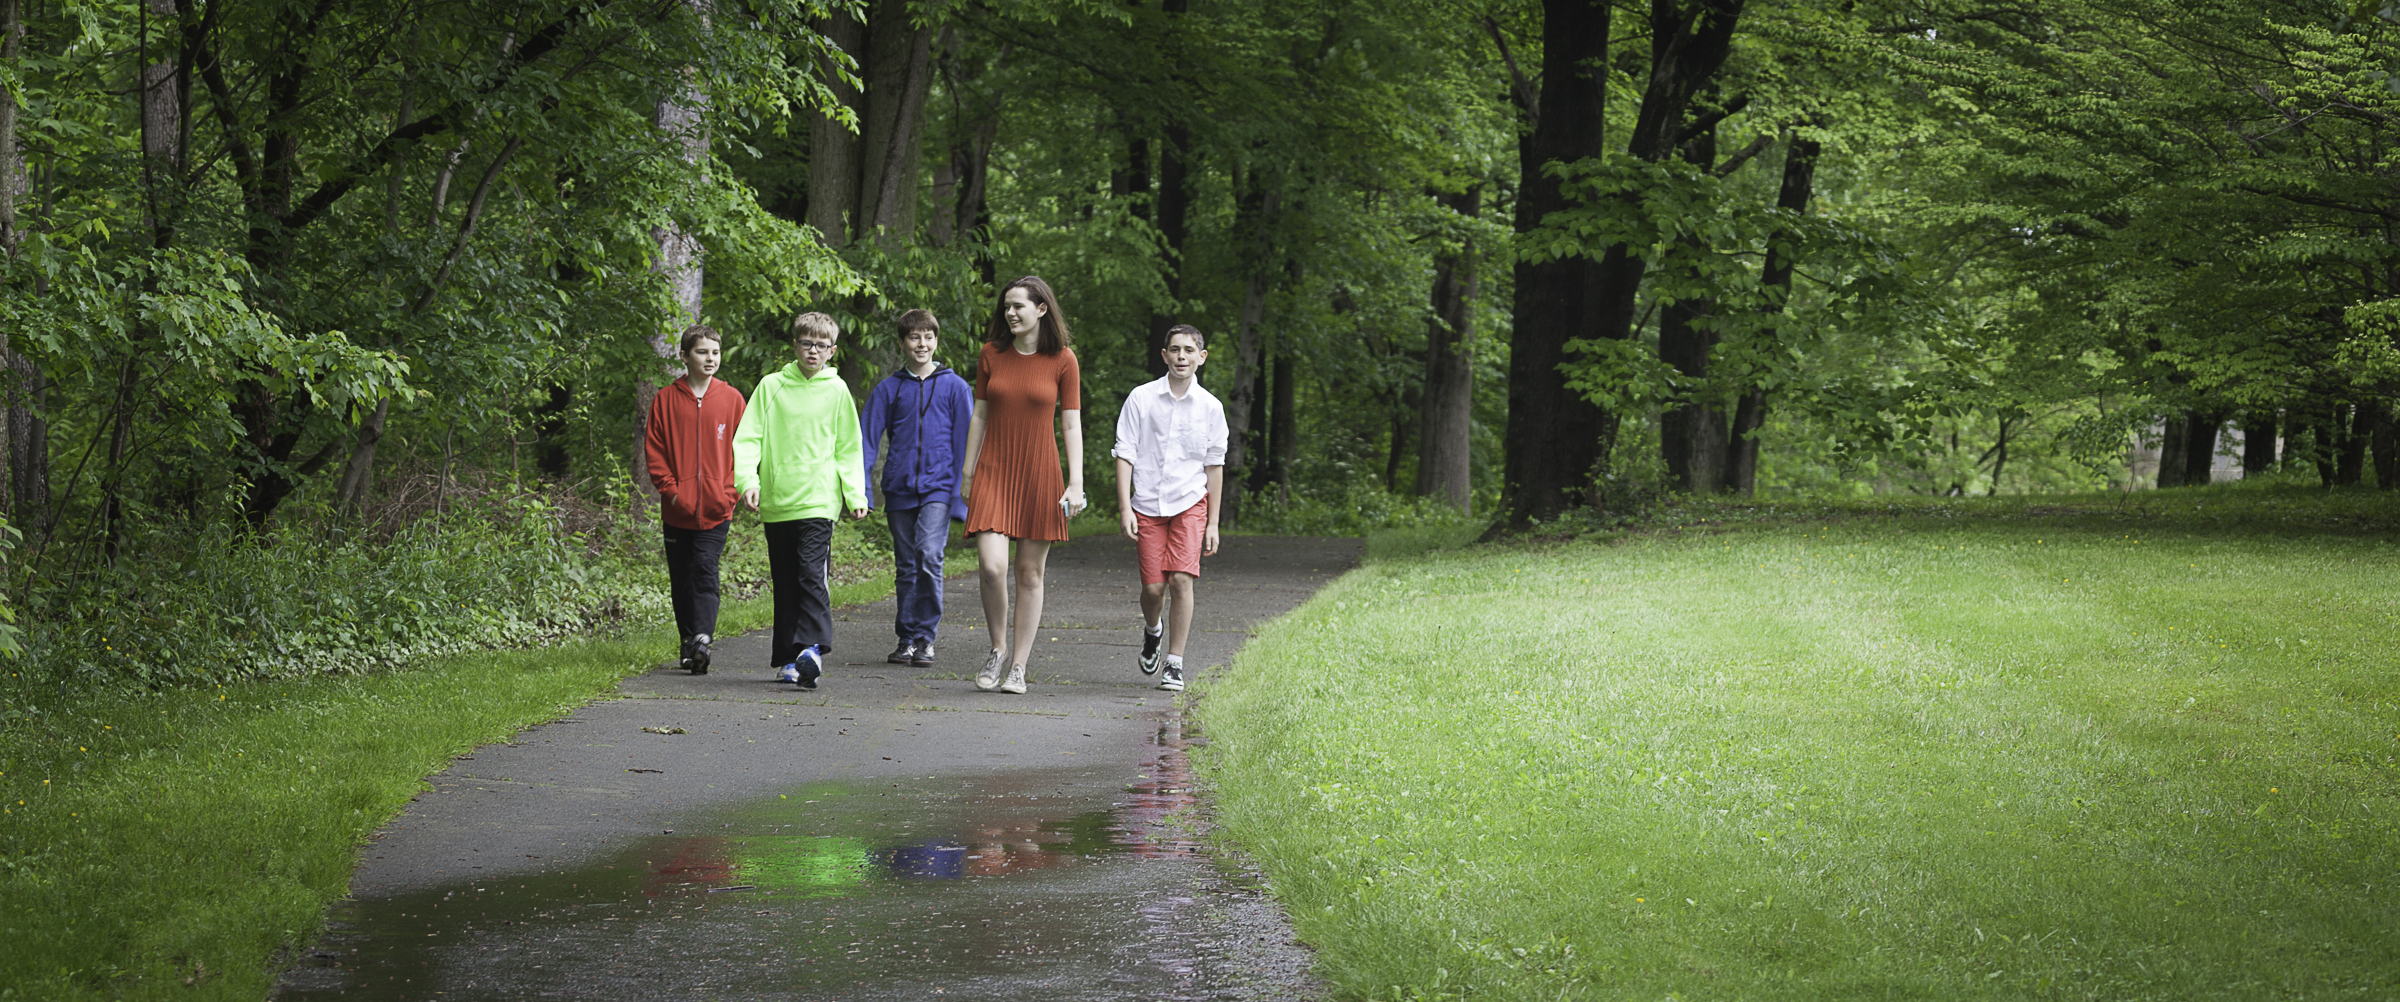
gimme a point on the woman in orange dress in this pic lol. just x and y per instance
(1011, 477)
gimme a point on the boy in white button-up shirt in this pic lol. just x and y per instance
(1170, 487)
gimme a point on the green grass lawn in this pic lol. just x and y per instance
(2107, 749)
(180, 844)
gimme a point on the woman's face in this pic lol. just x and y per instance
(1018, 309)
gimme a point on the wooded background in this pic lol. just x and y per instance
(285, 270)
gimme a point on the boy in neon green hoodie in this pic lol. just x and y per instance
(797, 462)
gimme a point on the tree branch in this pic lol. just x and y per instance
(1527, 97)
(1744, 155)
(466, 227)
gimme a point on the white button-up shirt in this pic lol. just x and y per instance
(1171, 441)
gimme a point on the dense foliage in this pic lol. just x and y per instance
(282, 276)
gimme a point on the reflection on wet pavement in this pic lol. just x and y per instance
(1022, 886)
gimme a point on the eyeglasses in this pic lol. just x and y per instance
(814, 345)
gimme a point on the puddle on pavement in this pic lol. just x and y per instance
(1018, 886)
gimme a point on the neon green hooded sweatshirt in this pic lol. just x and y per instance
(798, 446)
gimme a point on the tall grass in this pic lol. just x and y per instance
(2094, 748)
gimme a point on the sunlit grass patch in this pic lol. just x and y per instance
(1896, 757)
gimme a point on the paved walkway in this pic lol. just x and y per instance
(893, 834)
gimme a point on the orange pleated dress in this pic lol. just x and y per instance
(1017, 477)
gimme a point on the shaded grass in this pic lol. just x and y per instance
(2080, 749)
(155, 838)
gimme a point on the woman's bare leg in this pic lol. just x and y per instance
(991, 548)
(1033, 558)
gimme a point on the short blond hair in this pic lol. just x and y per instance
(817, 324)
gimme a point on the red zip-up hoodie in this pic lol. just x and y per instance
(690, 446)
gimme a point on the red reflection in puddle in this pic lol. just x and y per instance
(704, 862)
(1170, 789)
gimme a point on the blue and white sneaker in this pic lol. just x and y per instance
(811, 666)
(788, 673)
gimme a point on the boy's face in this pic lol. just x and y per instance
(1183, 357)
(815, 353)
(704, 358)
(920, 344)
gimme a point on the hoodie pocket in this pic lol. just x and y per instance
(712, 502)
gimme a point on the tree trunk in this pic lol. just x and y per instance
(1287, 422)
(679, 115)
(16, 388)
(1692, 435)
(1444, 451)
(1999, 457)
(1174, 208)
(1555, 440)
(2258, 443)
(833, 150)
(898, 72)
(2172, 455)
(1252, 211)
(2387, 449)
(2200, 445)
(2350, 424)
(1261, 462)
(2324, 442)
(1798, 188)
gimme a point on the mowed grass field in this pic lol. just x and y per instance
(2109, 750)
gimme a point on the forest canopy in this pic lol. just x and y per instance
(280, 274)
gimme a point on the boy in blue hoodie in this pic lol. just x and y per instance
(924, 407)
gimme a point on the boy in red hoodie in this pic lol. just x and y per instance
(690, 446)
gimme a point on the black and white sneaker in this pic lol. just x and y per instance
(1172, 679)
(695, 658)
(906, 653)
(1150, 650)
(922, 656)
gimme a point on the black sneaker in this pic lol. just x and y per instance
(811, 665)
(922, 657)
(904, 654)
(1172, 681)
(695, 658)
(1150, 651)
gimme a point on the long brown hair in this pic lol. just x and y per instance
(1053, 324)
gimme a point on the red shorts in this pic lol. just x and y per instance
(1171, 543)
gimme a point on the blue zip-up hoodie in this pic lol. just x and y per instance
(927, 420)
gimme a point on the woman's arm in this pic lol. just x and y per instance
(1070, 423)
(966, 461)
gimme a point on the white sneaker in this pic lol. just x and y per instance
(1171, 679)
(1016, 680)
(989, 678)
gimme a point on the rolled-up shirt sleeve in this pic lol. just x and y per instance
(1214, 454)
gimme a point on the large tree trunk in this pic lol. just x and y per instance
(2258, 443)
(679, 115)
(898, 73)
(1174, 208)
(18, 375)
(832, 147)
(1555, 438)
(2172, 455)
(1750, 414)
(2350, 428)
(1252, 211)
(1444, 450)
(864, 183)
(1285, 447)
(2387, 449)
(1692, 435)
(2200, 445)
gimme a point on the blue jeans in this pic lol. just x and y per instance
(918, 535)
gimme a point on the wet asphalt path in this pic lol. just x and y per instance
(894, 834)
